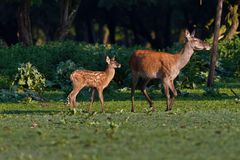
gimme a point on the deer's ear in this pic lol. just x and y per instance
(193, 33)
(107, 60)
(187, 34)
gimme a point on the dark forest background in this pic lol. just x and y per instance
(151, 23)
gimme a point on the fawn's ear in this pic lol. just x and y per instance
(108, 60)
(187, 34)
(113, 58)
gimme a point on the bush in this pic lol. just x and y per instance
(28, 78)
(4, 82)
(47, 59)
(229, 58)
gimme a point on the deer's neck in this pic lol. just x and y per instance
(109, 73)
(184, 55)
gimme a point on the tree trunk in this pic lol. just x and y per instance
(235, 21)
(215, 44)
(68, 14)
(24, 23)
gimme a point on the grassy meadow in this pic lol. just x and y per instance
(199, 127)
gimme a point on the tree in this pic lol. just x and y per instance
(233, 16)
(68, 11)
(215, 43)
(24, 23)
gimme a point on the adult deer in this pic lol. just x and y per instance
(97, 80)
(147, 64)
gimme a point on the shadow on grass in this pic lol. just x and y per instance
(121, 96)
(117, 95)
(126, 96)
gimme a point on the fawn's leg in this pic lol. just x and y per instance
(73, 95)
(92, 99)
(134, 84)
(100, 94)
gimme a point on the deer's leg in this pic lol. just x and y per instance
(166, 90)
(174, 93)
(92, 99)
(144, 91)
(134, 84)
(100, 94)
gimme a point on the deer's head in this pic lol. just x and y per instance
(195, 43)
(112, 62)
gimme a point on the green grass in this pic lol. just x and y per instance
(199, 127)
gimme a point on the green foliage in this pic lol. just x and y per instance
(4, 82)
(28, 78)
(229, 57)
(47, 59)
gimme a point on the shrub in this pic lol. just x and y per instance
(229, 58)
(48, 57)
(28, 78)
(4, 82)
